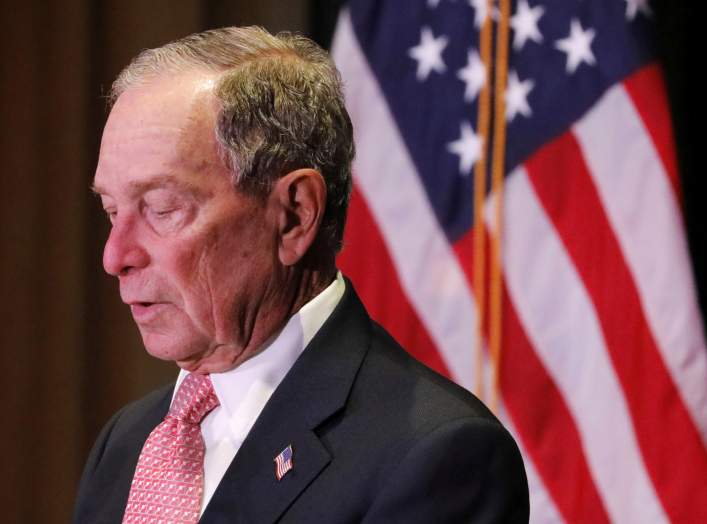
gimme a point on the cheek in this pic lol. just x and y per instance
(223, 273)
(186, 269)
(223, 269)
(212, 278)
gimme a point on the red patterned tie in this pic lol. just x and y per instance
(169, 477)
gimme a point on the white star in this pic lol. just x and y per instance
(525, 24)
(432, 3)
(517, 96)
(577, 45)
(481, 11)
(468, 147)
(428, 54)
(473, 74)
(634, 6)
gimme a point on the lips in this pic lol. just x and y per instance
(145, 311)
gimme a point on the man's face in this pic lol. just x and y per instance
(195, 258)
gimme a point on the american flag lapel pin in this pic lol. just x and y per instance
(283, 462)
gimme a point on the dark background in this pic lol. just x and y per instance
(71, 353)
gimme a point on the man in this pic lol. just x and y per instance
(225, 172)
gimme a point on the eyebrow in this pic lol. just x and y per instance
(158, 181)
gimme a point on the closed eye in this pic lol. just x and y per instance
(166, 211)
(111, 214)
(166, 220)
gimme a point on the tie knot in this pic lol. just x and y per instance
(194, 399)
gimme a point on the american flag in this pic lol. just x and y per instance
(283, 462)
(603, 369)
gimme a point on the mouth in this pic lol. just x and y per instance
(143, 311)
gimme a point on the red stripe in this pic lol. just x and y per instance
(546, 426)
(532, 399)
(541, 416)
(365, 260)
(647, 91)
(669, 441)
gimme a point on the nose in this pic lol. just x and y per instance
(123, 252)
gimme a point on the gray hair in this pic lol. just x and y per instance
(281, 108)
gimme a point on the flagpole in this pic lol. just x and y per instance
(497, 173)
(483, 124)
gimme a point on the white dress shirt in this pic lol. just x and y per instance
(243, 392)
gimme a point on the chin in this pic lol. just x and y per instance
(173, 348)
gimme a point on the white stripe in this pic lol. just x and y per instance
(428, 269)
(558, 317)
(643, 211)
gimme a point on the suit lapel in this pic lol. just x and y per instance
(110, 484)
(315, 388)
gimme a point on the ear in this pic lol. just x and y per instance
(300, 201)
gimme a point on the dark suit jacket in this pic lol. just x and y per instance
(377, 437)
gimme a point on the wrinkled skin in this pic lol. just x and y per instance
(200, 264)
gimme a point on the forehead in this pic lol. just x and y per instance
(159, 131)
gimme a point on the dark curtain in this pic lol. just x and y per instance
(71, 353)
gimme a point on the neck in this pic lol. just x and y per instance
(308, 285)
(288, 292)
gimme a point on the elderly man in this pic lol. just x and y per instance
(225, 171)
